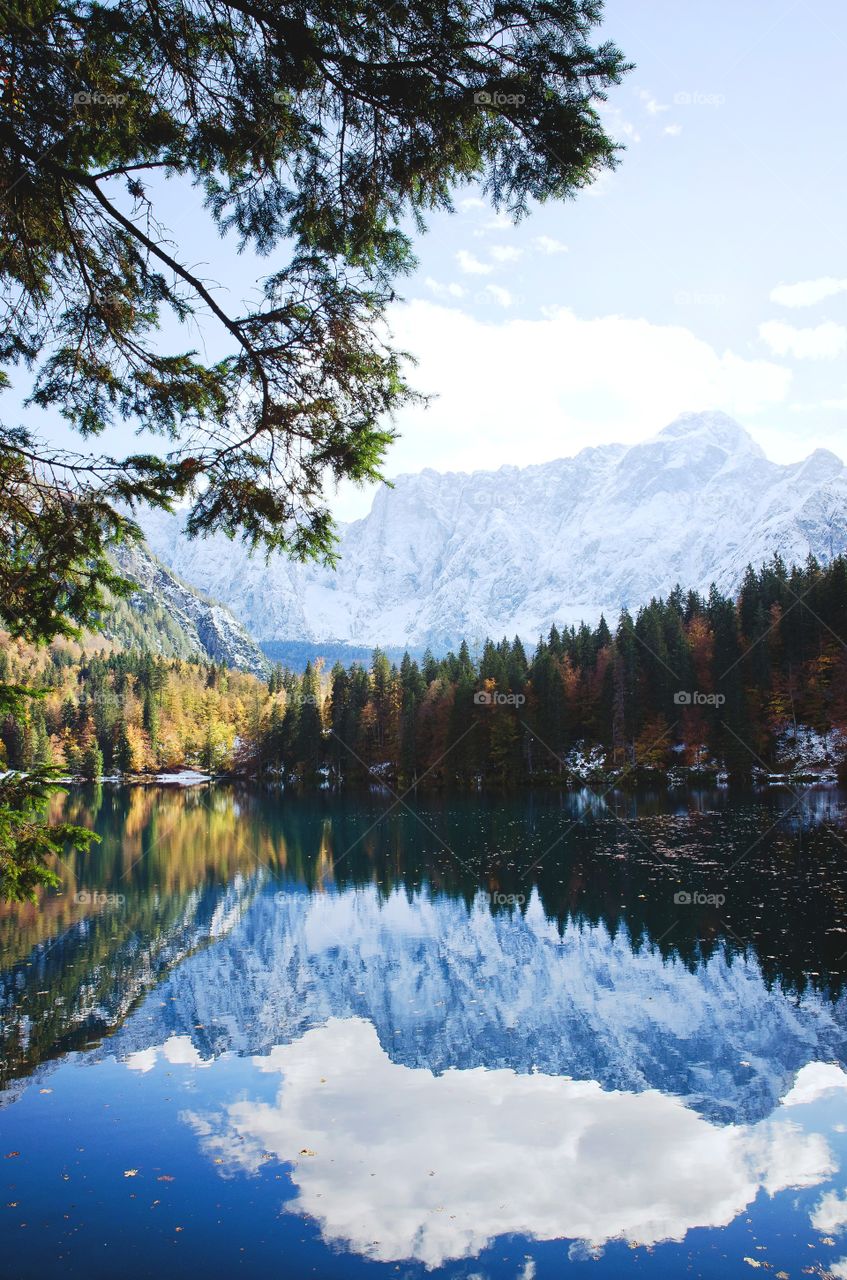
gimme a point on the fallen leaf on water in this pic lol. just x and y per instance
(45, 1090)
(307, 1152)
(10, 1155)
(219, 1159)
(130, 1173)
(165, 1177)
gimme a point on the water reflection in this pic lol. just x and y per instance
(397, 1162)
(445, 988)
(528, 1018)
(316, 909)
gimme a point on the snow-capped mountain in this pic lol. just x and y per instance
(197, 628)
(243, 966)
(447, 987)
(446, 556)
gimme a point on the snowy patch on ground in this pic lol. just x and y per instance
(802, 749)
(586, 762)
(184, 778)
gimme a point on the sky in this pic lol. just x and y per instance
(709, 271)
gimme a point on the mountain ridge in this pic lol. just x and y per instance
(174, 619)
(453, 555)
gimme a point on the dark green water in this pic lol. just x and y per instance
(258, 1035)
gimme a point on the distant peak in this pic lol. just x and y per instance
(713, 427)
(822, 463)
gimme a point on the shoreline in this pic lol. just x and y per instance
(624, 780)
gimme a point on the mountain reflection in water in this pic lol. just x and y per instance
(494, 1023)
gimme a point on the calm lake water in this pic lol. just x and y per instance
(257, 1035)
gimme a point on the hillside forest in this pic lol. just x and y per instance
(693, 682)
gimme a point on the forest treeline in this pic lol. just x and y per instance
(704, 682)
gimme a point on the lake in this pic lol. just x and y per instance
(520, 1036)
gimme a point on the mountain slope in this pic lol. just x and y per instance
(442, 556)
(448, 986)
(172, 619)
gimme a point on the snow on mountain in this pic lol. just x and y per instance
(246, 966)
(103, 973)
(446, 556)
(446, 987)
(205, 629)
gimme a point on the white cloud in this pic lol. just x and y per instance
(471, 202)
(600, 184)
(823, 342)
(652, 105)
(143, 1060)
(531, 390)
(814, 1081)
(451, 290)
(808, 292)
(178, 1050)
(472, 265)
(673, 129)
(830, 1213)
(499, 222)
(386, 1158)
(505, 253)
(616, 124)
(838, 403)
(498, 294)
(549, 245)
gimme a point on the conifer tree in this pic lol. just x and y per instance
(316, 137)
(309, 740)
(91, 760)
